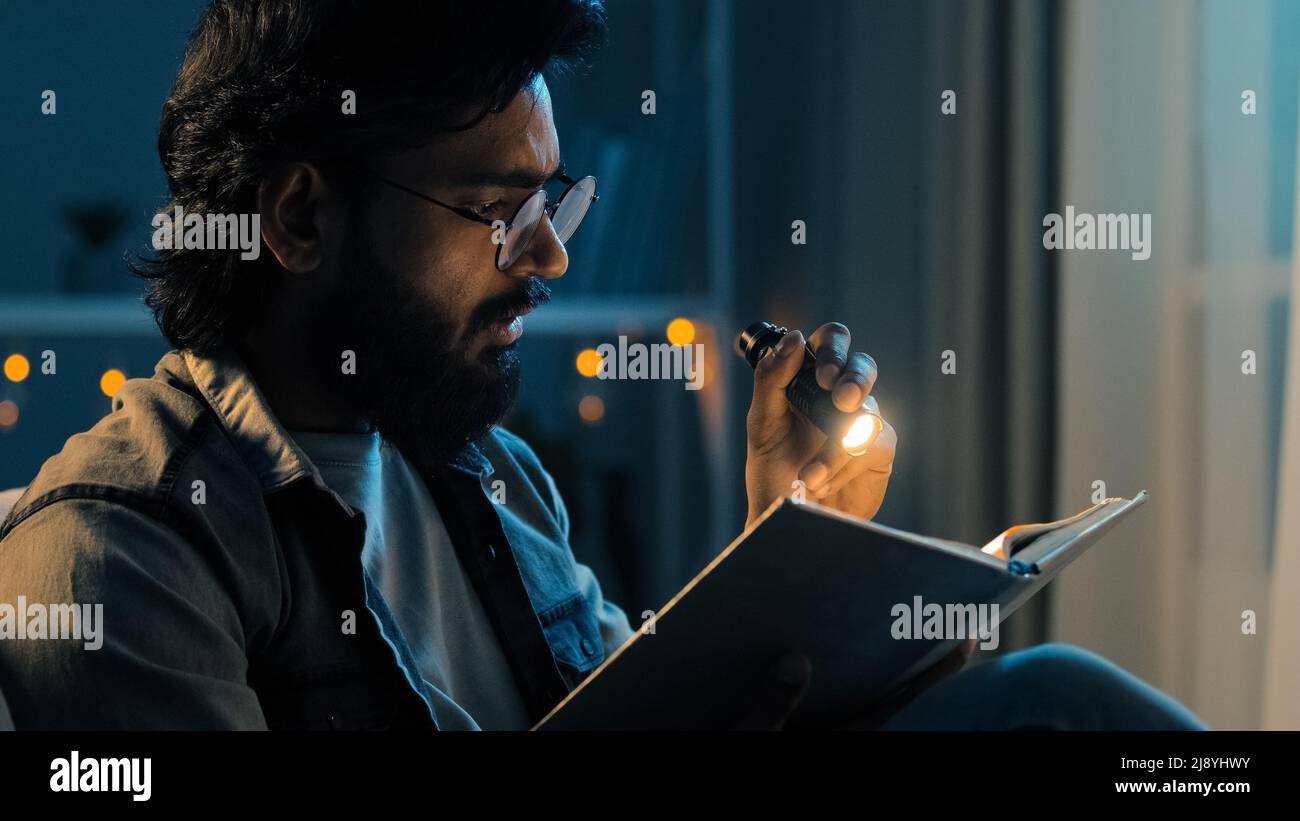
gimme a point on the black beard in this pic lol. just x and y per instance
(413, 381)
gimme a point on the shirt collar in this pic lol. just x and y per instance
(263, 443)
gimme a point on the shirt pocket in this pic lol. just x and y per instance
(573, 633)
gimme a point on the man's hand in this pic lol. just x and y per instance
(876, 714)
(770, 701)
(775, 696)
(784, 446)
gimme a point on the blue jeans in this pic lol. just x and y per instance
(1048, 687)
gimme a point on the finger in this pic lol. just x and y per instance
(771, 377)
(878, 459)
(967, 649)
(855, 382)
(943, 668)
(846, 476)
(831, 344)
(877, 713)
(829, 460)
(861, 497)
(776, 697)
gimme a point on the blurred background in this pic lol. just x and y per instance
(923, 234)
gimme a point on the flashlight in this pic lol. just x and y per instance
(855, 430)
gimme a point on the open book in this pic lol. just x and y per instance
(870, 605)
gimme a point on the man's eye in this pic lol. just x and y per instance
(485, 209)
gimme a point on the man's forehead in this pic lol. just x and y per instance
(519, 141)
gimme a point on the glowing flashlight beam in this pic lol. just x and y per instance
(861, 434)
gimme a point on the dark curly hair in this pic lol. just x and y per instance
(262, 83)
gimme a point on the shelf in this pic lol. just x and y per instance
(127, 316)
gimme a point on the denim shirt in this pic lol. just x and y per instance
(231, 579)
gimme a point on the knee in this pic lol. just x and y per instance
(1061, 664)
(1094, 692)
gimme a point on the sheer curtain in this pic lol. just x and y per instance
(1282, 665)
(989, 286)
(1172, 369)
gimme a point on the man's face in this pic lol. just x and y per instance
(419, 298)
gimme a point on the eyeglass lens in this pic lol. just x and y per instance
(568, 215)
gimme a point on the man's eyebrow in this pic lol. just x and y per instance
(508, 178)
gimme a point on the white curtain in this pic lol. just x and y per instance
(1282, 666)
(1154, 355)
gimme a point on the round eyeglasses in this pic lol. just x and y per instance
(565, 214)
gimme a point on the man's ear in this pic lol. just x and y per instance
(292, 201)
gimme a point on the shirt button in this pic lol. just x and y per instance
(587, 647)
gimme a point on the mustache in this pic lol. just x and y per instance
(534, 292)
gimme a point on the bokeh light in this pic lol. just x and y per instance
(111, 381)
(589, 362)
(681, 331)
(591, 409)
(17, 367)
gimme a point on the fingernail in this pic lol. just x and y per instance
(814, 474)
(792, 341)
(847, 395)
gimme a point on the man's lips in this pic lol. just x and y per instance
(508, 327)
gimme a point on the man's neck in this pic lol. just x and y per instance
(283, 375)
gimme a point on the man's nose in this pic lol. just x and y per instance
(545, 255)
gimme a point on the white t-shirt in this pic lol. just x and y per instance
(411, 559)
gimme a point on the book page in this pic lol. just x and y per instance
(1005, 544)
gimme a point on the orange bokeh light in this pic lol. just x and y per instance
(681, 331)
(111, 381)
(589, 362)
(591, 409)
(17, 367)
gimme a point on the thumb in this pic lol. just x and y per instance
(776, 694)
(772, 376)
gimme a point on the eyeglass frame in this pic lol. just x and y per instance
(548, 209)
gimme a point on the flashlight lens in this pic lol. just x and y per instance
(861, 434)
